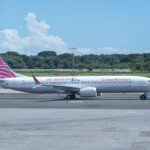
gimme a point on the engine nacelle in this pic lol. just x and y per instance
(88, 92)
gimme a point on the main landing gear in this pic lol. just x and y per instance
(143, 97)
(72, 96)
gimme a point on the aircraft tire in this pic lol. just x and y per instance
(73, 96)
(68, 97)
(143, 97)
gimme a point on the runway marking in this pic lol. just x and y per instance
(76, 101)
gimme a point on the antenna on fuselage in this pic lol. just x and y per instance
(73, 49)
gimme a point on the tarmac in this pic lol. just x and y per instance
(49, 122)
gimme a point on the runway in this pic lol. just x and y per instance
(48, 121)
(106, 101)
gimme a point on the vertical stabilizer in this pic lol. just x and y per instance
(5, 71)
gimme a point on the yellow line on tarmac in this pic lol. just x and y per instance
(76, 102)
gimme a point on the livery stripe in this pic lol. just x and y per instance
(4, 74)
(5, 71)
(2, 62)
(4, 66)
(8, 72)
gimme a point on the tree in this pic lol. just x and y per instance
(47, 53)
(49, 59)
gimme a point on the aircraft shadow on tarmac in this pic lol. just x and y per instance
(56, 97)
(83, 99)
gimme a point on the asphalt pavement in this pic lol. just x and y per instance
(106, 101)
(49, 122)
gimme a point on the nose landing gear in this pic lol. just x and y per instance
(72, 96)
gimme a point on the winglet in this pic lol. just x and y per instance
(36, 80)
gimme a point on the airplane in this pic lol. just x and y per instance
(84, 86)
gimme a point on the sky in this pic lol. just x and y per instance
(92, 26)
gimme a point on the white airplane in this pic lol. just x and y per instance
(87, 86)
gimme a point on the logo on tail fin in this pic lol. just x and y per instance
(5, 71)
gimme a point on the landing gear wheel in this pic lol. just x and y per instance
(68, 97)
(73, 96)
(143, 97)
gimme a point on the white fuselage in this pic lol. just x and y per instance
(103, 84)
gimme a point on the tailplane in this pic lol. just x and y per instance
(6, 72)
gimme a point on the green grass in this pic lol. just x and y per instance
(68, 73)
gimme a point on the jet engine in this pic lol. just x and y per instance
(88, 92)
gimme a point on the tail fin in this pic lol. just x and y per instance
(5, 71)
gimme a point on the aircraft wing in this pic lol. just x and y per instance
(67, 88)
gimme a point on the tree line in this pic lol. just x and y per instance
(50, 60)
